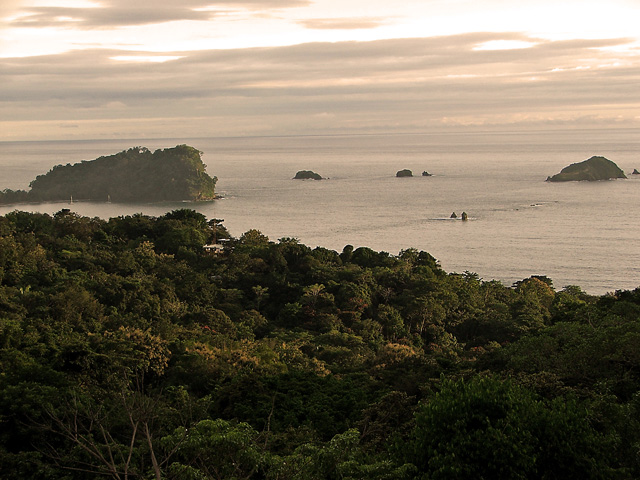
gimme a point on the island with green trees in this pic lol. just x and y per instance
(128, 351)
(595, 168)
(133, 175)
(307, 175)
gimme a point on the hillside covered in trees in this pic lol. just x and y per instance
(134, 175)
(126, 351)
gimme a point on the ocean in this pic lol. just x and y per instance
(576, 233)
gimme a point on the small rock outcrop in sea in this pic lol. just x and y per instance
(404, 173)
(465, 217)
(453, 215)
(635, 172)
(426, 174)
(595, 168)
(307, 175)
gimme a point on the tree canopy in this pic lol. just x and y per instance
(128, 351)
(136, 174)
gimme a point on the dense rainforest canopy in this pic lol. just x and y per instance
(127, 351)
(134, 175)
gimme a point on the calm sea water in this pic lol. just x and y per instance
(577, 233)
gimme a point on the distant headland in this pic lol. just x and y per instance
(595, 168)
(134, 175)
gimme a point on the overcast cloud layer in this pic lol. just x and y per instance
(117, 13)
(479, 80)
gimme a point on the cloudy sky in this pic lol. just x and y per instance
(189, 68)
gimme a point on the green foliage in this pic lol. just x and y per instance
(8, 196)
(214, 449)
(136, 174)
(327, 404)
(595, 168)
(127, 350)
(604, 358)
(340, 458)
(494, 429)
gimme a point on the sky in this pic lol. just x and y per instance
(103, 69)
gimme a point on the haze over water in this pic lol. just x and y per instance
(576, 233)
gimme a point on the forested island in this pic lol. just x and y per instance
(307, 175)
(593, 169)
(128, 351)
(134, 175)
